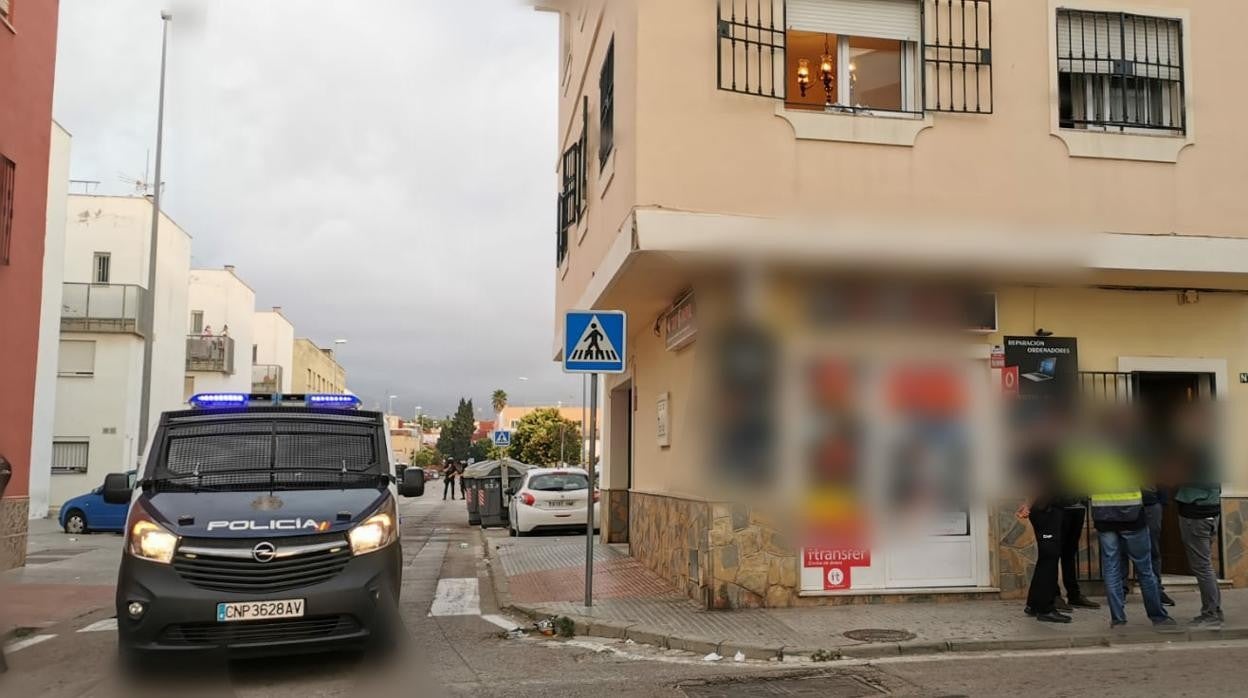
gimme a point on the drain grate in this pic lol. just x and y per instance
(879, 635)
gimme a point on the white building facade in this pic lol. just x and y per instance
(219, 331)
(49, 324)
(273, 352)
(100, 358)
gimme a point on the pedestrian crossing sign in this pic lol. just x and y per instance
(594, 341)
(502, 438)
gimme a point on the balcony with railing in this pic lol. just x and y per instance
(113, 308)
(210, 354)
(266, 379)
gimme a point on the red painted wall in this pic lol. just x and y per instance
(27, 67)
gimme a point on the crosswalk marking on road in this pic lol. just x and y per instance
(28, 642)
(100, 625)
(456, 597)
(500, 621)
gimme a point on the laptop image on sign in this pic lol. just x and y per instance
(1048, 370)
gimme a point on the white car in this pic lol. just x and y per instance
(550, 498)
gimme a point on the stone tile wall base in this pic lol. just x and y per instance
(14, 524)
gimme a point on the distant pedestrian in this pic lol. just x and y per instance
(448, 479)
(463, 465)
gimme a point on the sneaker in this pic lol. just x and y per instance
(1211, 622)
(1083, 602)
(1117, 623)
(1053, 617)
(1166, 600)
(1029, 610)
(1167, 625)
(1061, 604)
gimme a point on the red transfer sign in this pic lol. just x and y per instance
(845, 557)
(1009, 380)
(997, 357)
(835, 577)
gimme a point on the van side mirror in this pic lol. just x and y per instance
(117, 488)
(413, 484)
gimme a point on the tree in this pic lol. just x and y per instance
(456, 438)
(498, 400)
(427, 458)
(483, 450)
(544, 437)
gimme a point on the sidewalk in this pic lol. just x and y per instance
(545, 577)
(65, 577)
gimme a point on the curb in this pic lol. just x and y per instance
(656, 637)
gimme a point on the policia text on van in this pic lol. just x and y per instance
(262, 525)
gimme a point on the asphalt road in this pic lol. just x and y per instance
(458, 646)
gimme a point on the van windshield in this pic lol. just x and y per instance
(270, 454)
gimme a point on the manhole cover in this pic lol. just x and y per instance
(879, 635)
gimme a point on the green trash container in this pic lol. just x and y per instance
(493, 493)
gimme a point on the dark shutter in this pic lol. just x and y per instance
(751, 40)
(606, 106)
(957, 56)
(574, 180)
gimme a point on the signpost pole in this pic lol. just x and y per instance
(589, 509)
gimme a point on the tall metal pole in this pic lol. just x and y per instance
(589, 510)
(149, 309)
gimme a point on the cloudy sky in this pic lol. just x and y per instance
(381, 169)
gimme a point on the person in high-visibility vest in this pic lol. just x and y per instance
(1103, 464)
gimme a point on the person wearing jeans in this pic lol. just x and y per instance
(1105, 461)
(1117, 546)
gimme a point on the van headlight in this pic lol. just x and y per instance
(148, 540)
(375, 532)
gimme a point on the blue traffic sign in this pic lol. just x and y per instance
(594, 341)
(502, 438)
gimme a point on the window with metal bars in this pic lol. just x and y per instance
(864, 55)
(1120, 72)
(8, 182)
(103, 266)
(574, 180)
(606, 106)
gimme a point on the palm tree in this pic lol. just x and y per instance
(499, 400)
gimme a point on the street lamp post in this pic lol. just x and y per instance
(149, 308)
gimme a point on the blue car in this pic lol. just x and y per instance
(89, 512)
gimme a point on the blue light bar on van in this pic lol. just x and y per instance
(345, 402)
(218, 400)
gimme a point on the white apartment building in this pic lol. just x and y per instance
(99, 370)
(49, 325)
(219, 332)
(272, 352)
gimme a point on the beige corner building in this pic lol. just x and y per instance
(747, 178)
(316, 370)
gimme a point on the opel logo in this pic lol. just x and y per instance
(264, 552)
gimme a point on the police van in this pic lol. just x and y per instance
(262, 524)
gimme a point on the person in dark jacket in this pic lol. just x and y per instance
(1199, 501)
(448, 479)
(1037, 459)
